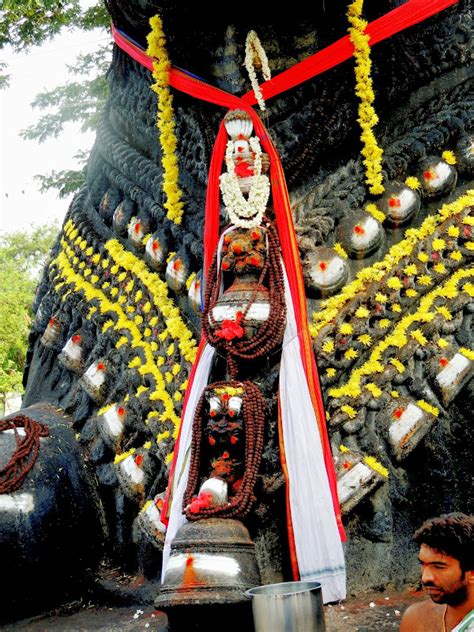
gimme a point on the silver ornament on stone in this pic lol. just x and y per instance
(437, 177)
(360, 234)
(121, 217)
(136, 232)
(51, 333)
(405, 423)
(93, 380)
(176, 273)
(325, 271)
(399, 203)
(155, 253)
(71, 354)
(195, 293)
(355, 479)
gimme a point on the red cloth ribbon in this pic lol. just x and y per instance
(399, 19)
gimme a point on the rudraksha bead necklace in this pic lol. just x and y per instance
(271, 331)
(253, 422)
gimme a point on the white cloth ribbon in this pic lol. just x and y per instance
(181, 473)
(318, 544)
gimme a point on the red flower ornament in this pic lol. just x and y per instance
(202, 501)
(243, 169)
(230, 329)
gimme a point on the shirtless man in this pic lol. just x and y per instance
(447, 574)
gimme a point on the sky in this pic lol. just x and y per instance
(42, 68)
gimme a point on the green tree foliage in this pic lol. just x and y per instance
(77, 101)
(4, 79)
(24, 24)
(22, 257)
(66, 181)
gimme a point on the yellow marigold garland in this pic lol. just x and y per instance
(375, 212)
(398, 365)
(123, 323)
(165, 120)
(328, 346)
(449, 157)
(121, 457)
(398, 338)
(330, 307)
(350, 412)
(159, 291)
(375, 390)
(340, 251)
(371, 151)
(66, 259)
(157, 288)
(362, 312)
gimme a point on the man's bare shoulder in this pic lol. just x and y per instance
(422, 617)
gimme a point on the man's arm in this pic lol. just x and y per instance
(421, 617)
(408, 622)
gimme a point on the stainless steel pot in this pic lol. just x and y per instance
(288, 607)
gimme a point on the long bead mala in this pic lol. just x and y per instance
(24, 457)
(254, 422)
(271, 331)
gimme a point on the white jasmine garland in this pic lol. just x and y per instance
(238, 207)
(254, 50)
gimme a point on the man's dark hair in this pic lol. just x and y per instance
(451, 534)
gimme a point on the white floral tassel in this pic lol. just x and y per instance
(256, 56)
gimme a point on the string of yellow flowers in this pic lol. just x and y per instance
(398, 338)
(371, 150)
(124, 455)
(138, 320)
(330, 307)
(165, 120)
(159, 292)
(122, 323)
(158, 289)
